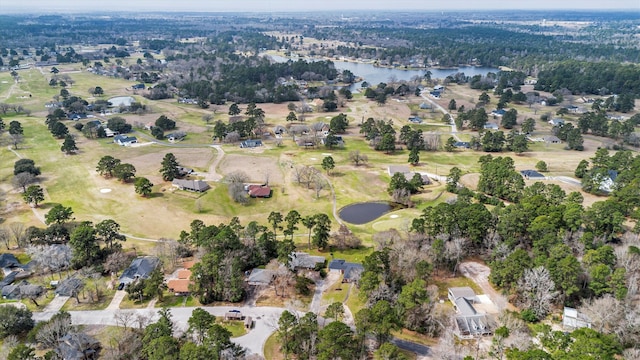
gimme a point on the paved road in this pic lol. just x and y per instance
(454, 129)
(419, 349)
(265, 320)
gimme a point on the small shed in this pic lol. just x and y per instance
(248, 322)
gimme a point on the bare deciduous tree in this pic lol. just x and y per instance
(456, 250)
(117, 261)
(357, 159)
(605, 313)
(50, 334)
(51, 258)
(283, 280)
(235, 181)
(5, 237)
(384, 238)
(536, 291)
(22, 180)
(19, 233)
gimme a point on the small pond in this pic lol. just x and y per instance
(362, 213)
(121, 100)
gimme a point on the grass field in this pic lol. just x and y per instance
(71, 180)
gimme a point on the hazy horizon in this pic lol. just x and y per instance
(65, 6)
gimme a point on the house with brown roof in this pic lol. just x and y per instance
(180, 286)
(259, 191)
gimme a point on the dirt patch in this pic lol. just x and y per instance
(479, 273)
(257, 167)
(470, 180)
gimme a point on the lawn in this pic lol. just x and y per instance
(444, 282)
(336, 293)
(272, 348)
(236, 327)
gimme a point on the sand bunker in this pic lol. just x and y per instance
(394, 216)
(104, 191)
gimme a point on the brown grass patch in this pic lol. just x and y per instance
(257, 167)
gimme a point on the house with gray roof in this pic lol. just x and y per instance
(140, 268)
(469, 321)
(573, 319)
(124, 140)
(190, 185)
(251, 143)
(9, 263)
(78, 346)
(260, 277)
(302, 260)
(69, 286)
(532, 175)
(351, 272)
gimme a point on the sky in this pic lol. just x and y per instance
(309, 5)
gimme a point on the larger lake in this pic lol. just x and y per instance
(375, 74)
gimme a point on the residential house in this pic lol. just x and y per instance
(302, 260)
(572, 319)
(9, 263)
(140, 268)
(124, 140)
(608, 181)
(110, 133)
(138, 87)
(491, 126)
(250, 143)
(392, 169)
(69, 286)
(469, 321)
(260, 277)
(498, 112)
(184, 171)
(20, 290)
(532, 175)
(191, 185)
(462, 144)
(415, 119)
(279, 130)
(233, 315)
(337, 141)
(556, 122)
(78, 346)
(177, 136)
(425, 106)
(180, 285)
(551, 139)
(404, 169)
(351, 272)
(259, 191)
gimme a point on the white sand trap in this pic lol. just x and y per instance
(326, 154)
(5, 82)
(394, 216)
(314, 159)
(105, 190)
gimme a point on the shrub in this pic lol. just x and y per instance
(529, 316)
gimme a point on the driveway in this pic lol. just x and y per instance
(479, 273)
(56, 304)
(265, 320)
(117, 299)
